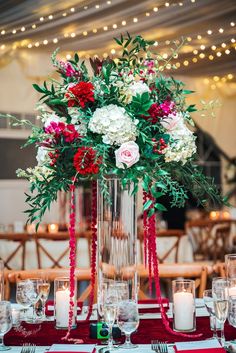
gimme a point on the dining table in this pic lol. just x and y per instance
(150, 328)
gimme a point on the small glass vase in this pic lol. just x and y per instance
(62, 303)
(184, 312)
(117, 235)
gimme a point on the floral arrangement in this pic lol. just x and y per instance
(125, 118)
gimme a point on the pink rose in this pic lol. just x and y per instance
(171, 121)
(127, 154)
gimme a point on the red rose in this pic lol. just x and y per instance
(86, 161)
(80, 94)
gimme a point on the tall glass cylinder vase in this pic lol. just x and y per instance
(117, 236)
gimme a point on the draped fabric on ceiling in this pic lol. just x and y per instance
(89, 26)
(74, 23)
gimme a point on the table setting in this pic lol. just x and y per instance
(201, 324)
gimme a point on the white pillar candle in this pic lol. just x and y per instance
(183, 311)
(62, 308)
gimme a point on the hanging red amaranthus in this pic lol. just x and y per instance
(94, 246)
(72, 262)
(152, 235)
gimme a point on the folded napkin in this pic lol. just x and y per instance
(207, 346)
(202, 350)
(75, 348)
(49, 309)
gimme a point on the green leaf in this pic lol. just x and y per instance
(147, 204)
(160, 207)
(37, 88)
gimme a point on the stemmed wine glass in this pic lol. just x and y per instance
(209, 303)
(43, 292)
(230, 265)
(34, 297)
(221, 303)
(128, 320)
(232, 310)
(5, 322)
(22, 297)
(110, 302)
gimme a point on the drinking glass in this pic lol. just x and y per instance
(230, 265)
(221, 304)
(33, 294)
(43, 291)
(209, 303)
(5, 322)
(128, 320)
(232, 311)
(22, 297)
(1, 279)
(110, 303)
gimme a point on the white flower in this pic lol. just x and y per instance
(42, 155)
(138, 88)
(53, 118)
(127, 154)
(77, 119)
(114, 124)
(181, 149)
(171, 121)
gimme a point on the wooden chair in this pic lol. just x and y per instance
(81, 274)
(174, 236)
(210, 239)
(197, 272)
(41, 248)
(20, 239)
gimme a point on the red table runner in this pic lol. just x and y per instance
(45, 334)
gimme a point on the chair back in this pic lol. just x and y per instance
(81, 274)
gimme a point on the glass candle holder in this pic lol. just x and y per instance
(230, 265)
(184, 318)
(62, 302)
(1, 280)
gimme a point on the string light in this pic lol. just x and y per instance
(72, 9)
(232, 24)
(68, 56)
(155, 9)
(73, 35)
(221, 30)
(45, 42)
(55, 40)
(3, 32)
(3, 46)
(22, 29)
(135, 20)
(41, 19)
(34, 26)
(123, 23)
(50, 17)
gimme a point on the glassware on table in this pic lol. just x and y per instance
(110, 302)
(33, 294)
(128, 320)
(43, 290)
(62, 302)
(22, 297)
(1, 280)
(232, 311)
(5, 322)
(209, 303)
(221, 303)
(230, 265)
(184, 318)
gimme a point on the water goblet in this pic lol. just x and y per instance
(230, 265)
(5, 322)
(128, 320)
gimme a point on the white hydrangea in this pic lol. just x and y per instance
(114, 124)
(138, 87)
